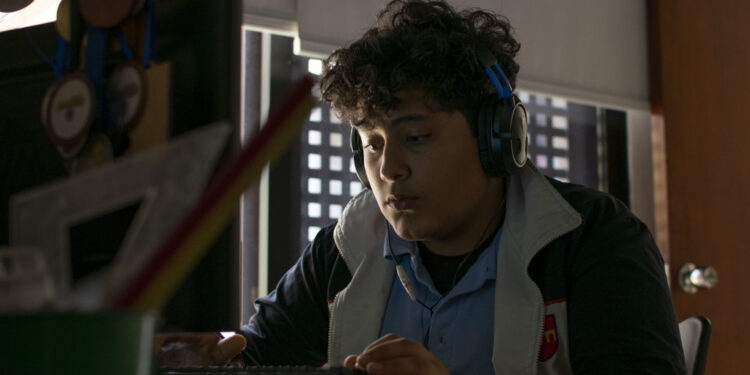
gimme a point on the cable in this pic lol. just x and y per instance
(406, 283)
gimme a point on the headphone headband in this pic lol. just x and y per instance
(495, 73)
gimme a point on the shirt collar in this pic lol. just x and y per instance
(485, 266)
(398, 245)
(401, 247)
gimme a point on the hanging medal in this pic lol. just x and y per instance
(80, 104)
(99, 149)
(126, 90)
(122, 94)
(68, 112)
(101, 16)
(69, 104)
(128, 81)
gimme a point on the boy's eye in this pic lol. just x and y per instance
(372, 146)
(417, 138)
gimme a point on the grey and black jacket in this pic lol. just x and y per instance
(580, 288)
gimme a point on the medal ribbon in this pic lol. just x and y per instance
(96, 52)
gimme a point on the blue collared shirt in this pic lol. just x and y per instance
(461, 324)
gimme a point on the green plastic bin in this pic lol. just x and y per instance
(111, 343)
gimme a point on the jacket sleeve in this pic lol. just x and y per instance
(290, 325)
(621, 318)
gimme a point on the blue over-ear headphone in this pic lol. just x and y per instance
(501, 127)
(502, 124)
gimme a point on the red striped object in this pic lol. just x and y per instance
(178, 254)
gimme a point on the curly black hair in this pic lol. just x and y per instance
(418, 44)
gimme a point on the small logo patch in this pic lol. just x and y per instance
(549, 338)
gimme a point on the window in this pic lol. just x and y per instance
(569, 141)
(336, 172)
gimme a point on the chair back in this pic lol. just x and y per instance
(695, 333)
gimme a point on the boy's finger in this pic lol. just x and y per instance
(228, 348)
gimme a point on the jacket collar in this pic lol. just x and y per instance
(356, 311)
(360, 223)
(536, 212)
(536, 215)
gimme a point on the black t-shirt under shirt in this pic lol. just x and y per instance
(447, 270)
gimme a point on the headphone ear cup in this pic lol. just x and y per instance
(513, 134)
(359, 159)
(518, 130)
(484, 136)
(501, 135)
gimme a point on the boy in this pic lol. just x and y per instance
(461, 258)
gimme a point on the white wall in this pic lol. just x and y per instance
(587, 49)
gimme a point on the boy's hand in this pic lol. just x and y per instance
(197, 349)
(396, 355)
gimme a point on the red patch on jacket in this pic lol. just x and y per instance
(549, 338)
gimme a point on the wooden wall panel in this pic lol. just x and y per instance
(700, 78)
